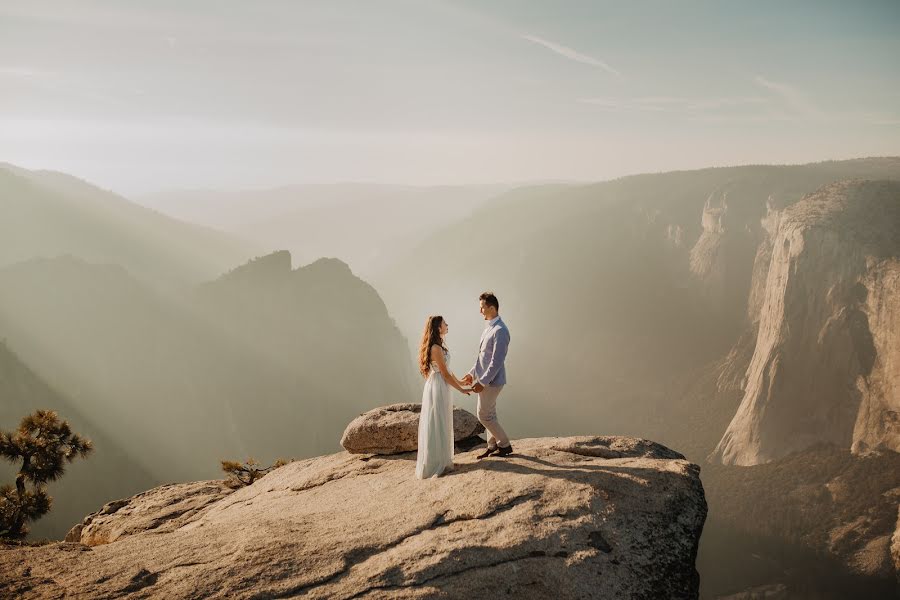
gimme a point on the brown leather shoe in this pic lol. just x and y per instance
(486, 453)
(504, 450)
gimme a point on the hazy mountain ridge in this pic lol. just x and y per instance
(233, 368)
(46, 214)
(346, 346)
(365, 225)
(615, 259)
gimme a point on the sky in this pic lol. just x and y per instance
(140, 97)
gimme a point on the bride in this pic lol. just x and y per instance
(436, 419)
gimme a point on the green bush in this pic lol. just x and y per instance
(43, 444)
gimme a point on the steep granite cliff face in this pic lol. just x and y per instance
(878, 422)
(825, 364)
(770, 224)
(578, 517)
(719, 258)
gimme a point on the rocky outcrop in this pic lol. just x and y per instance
(769, 225)
(840, 507)
(166, 506)
(733, 368)
(585, 517)
(721, 259)
(395, 428)
(825, 363)
(895, 546)
(878, 421)
(708, 261)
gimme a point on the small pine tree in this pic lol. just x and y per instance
(44, 445)
(240, 475)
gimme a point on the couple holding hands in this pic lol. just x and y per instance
(486, 379)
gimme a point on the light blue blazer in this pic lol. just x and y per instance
(489, 367)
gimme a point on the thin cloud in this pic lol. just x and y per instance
(717, 103)
(570, 53)
(661, 100)
(635, 104)
(56, 83)
(794, 98)
(674, 104)
(605, 103)
(20, 72)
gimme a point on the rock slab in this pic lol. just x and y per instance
(561, 518)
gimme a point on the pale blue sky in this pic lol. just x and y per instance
(141, 96)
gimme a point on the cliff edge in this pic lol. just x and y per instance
(576, 517)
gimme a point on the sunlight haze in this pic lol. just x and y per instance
(139, 97)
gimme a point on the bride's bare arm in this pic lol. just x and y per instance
(437, 355)
(458, 380)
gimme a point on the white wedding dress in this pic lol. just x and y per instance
(435, 425)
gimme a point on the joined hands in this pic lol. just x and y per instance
(468, 380)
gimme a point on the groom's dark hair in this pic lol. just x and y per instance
(490, 299)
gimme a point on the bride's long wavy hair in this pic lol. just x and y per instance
(430, 337)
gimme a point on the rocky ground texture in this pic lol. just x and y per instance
(576, 517)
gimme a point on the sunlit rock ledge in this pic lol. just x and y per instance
(572, 517)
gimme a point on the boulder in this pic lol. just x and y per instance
(395, 428)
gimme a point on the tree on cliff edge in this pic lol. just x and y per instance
(43, 444)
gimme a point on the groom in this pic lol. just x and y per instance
(489, 375)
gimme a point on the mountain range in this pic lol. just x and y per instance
(364, 225)
(47, 214)
(744, 316)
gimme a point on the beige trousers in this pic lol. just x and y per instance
(487, 414)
